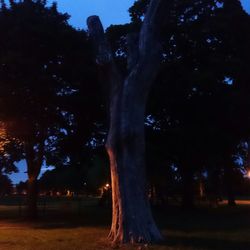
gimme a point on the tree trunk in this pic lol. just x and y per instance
(187, 189)
(201, 189)
(132, 220)
(230, 197)
(34, 159)
(32, 198)
(229, 187)
(229, 181)
(201, 186)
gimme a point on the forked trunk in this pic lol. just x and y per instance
(132, 220)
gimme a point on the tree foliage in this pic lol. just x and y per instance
(47, 78)
(198, 106)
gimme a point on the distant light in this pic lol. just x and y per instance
(248, 174)
(105, 188)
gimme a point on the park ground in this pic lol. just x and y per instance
(67, 225)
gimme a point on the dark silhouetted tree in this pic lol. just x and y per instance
(43, 61)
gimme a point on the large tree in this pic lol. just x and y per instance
(132, 219)
(41, 57)
(202, 85)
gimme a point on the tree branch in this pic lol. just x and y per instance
(153, 22)
(150, 46)
(104, 55)
(132, 42)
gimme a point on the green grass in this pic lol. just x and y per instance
(223, 228)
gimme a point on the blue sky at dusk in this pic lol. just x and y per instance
(22, 175)
(110, 12)
(246, 5)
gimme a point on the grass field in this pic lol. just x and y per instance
(69, 228)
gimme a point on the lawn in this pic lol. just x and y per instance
(222, 228)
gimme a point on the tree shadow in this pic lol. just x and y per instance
(88, 216)
(205, 243)
(224, 219)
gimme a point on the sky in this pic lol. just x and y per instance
(110, 12)
(246, 5)
(22, 172)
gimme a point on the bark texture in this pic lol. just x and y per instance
(132, 220)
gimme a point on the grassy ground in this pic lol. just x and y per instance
(68, 228)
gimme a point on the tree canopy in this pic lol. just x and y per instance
(47, 77)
